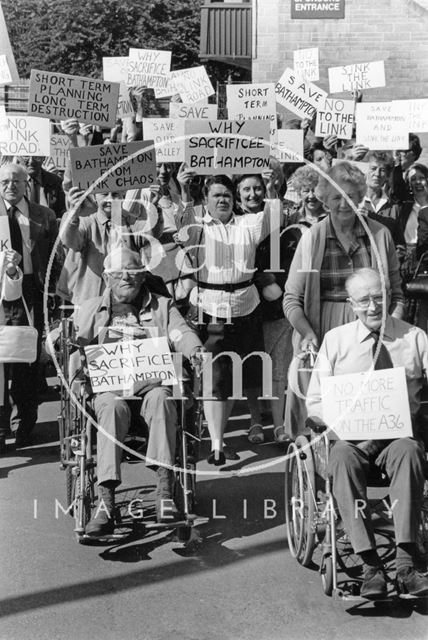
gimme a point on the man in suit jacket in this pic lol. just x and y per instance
(128, 310)
(44, 187)
(33, 231)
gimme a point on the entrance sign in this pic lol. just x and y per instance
(310, 9)
(357, 77)
(117, 366)
(227, 146)
(299, 96)
(58, 96)
(88, 164)
(24, 136)
(367, 406)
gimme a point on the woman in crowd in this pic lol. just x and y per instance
(310, 209)
(315, 295)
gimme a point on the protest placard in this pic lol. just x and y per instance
(382, 125)
(299, 96)
(252, 102)
(148, 68)
(115, 69)
(306, 63)
(227, 146)
(364, 406)
(5, 75)
(192, 85)
(289, 146)
(417, 113)
(24, 136)
(198, 110)
(335, 118)
(60, 146)
(165, 131)
(117, 366)
(5, 244)
(357, 77)
(125, 107)
(89, 164)
(61, 96)
(2, 111)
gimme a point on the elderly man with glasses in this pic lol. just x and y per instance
(355, 348)
(128, 308)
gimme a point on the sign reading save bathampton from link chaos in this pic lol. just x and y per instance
(24, 136)
(58, 96)
(227, 146)
(118, 366)
(148, 68)
(297, 95)
(365, 406)
(88, 164)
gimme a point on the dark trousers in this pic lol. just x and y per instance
(19, 412)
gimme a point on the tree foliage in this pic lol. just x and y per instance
(72, 36)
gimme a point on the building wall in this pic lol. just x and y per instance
(395, 31)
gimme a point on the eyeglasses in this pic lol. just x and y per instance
(130, 273)
(364, 303)
(5, 183)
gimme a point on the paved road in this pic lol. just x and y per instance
(240, 583)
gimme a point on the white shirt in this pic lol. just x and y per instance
(23, 217)
(411, 230)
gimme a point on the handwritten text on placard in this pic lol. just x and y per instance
(335, 118)
(299, 96)
(357, 77)
(24, 136)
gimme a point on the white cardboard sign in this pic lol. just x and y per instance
(191, 111)
(60, 147)
(192, 85)
(335, 118)
(299, 96)
(148, 68)
(252, 102)
(357, 77)
(165, 131)
(125, 107)
(417, 112)
(227, 146)
(382, 125)
(117, 366)
(365, 406)
(5, 75)
(289, 147)
(24, 136)
(115, 69)
(306, 63)
(5, 244)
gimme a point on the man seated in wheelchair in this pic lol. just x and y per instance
(129, 311)
(351, 349)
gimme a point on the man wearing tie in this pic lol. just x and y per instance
(355, 348)
(44, 187)
(33, 230)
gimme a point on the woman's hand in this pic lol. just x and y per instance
(184, 177)
(272, 292)
(309, 342)
(268, 176)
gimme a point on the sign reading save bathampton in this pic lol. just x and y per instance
(308, 9)
(298, 95)
(89, 164)
(227, 146)
(58, 96)
(366, 406)
(118, 366)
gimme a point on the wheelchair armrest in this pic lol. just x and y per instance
(315, 424)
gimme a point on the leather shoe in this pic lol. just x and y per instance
(374, 584)
(412, 582)
(100, 525)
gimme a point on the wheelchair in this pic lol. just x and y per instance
(77, 426)
(314, 528)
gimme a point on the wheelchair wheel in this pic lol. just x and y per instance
(69, 488)
(300, 500)
(327, 575)
(84, 498)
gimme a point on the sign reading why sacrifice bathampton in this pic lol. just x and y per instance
(148, 68)
(365, 406)
(297, 95)
(382, 125)
(58, 96)
(88, 164)
(320, 9)
(227, 146)
(24, 136)
(356, 77)
(335, 118)
(118, 366)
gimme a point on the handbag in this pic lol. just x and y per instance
(417, 287)
(18, 343)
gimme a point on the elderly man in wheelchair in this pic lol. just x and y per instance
(129, 311)
(354, 348)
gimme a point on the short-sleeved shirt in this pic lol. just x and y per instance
(338, 264)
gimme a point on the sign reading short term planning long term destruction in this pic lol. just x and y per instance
(222, 146)
(89, 164)
(59, 96)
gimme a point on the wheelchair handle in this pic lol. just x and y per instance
(315, 424)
